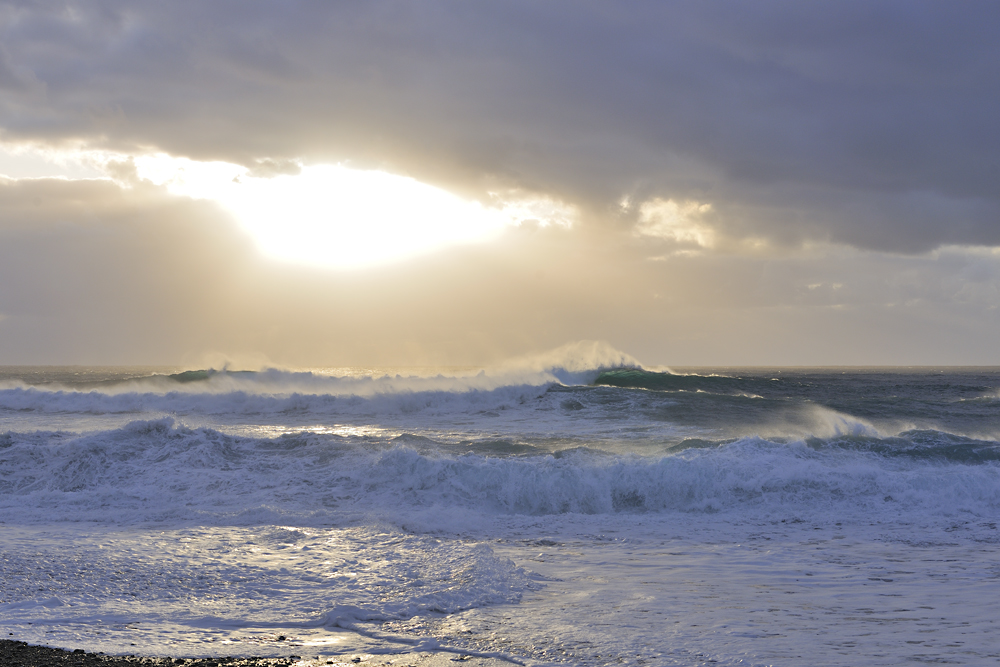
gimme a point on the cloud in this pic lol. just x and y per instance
(818, 181)
(871, 124)
(91, 271)
(678, 222)
(95, 272)
(268, 168)
(15, 79)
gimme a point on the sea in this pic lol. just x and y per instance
(575, 508)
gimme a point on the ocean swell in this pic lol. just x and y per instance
(161, 471)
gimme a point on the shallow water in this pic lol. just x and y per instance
(560, 513)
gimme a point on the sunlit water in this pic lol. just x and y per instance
(559, 514)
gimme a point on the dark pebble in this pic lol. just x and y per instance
(15, 653)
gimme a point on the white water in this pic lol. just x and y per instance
(490, 514)
(583, 590)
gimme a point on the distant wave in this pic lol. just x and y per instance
(638, 378)
(276, 392)
(573, 364)
(225, 391)
(205, 374)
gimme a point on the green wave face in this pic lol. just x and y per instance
(202, 375)
(190, 376)
(636, 378)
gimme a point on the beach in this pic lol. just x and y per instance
(20, 654)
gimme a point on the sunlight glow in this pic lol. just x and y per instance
(325, 215)
(330, 215)
(680, 222)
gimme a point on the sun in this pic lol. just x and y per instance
(324, 215)
(333, 216)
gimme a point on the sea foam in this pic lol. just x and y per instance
(160, 470)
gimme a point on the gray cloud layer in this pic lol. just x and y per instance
(849, 152)
(868, 123)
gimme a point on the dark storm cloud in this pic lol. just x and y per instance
(868, 123)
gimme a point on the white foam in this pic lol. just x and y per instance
(161, 471)
(686, 591)
(234, 585)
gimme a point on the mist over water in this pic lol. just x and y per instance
(445, 483)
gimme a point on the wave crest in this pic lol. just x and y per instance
(158, 470)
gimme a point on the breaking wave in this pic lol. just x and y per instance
(211, 391)
(160, 471)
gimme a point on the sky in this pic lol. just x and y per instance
(426, 183)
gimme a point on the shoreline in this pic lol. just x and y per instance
(15, 653)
